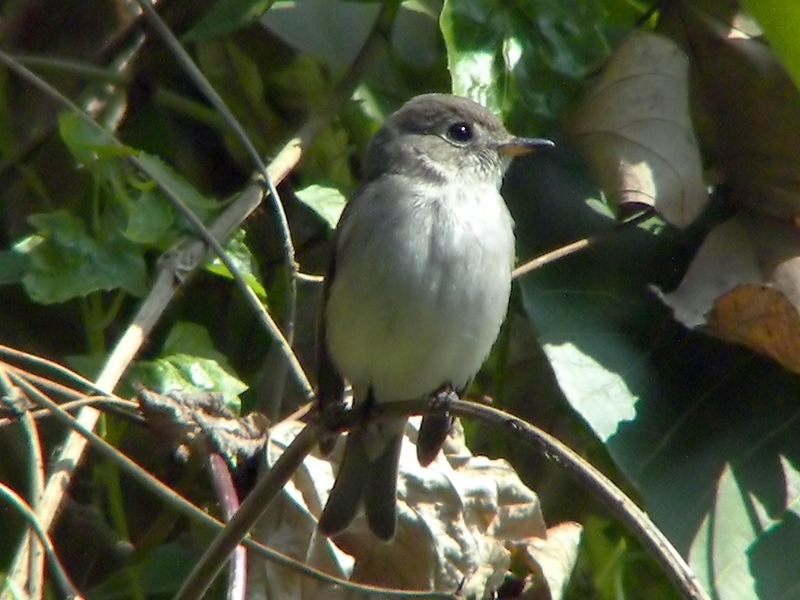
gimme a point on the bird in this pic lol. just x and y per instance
(417, 287)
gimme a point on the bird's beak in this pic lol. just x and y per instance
(520, 146)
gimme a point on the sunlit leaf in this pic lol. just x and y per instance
(747, 107)
(184, 372)
(149, 218)
(327, 202)
(634, 128)
(742, 286)
(781, 21)
(166, 177)
(521, 55)
(87, 143)
(190, 338)
(237, 250)
(732, 535)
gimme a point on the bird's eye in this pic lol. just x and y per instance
(460, 132)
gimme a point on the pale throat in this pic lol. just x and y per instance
(467, 173)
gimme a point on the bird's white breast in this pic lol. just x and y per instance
(421, 286)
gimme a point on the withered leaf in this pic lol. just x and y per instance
(761, 318)
(457, 521)
(191, 419)
(634, 128)
(748, 106)
(744, 286)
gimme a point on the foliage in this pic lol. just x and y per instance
(666, 350)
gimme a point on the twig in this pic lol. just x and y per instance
(185, 507)
(217, 553)
(74, 446)
(70, 591)
(564, 251)
(191, 69)
(37, 476)
(637, 521)
(228, 500)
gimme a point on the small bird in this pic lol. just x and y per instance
(417, 287)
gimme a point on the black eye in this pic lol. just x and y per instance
(460, 132)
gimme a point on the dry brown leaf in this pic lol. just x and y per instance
(744, 286)
(553, 558)
(457, 520)
(761, 318)
(634, 128)
(748, 110)
(186, 420)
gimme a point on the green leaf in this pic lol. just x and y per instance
(712, 421)
(346, 26)
(598, 393)
(227, 16)
(526, 56)
(732, 535)
(187, 373)
(13, 267)
(149, 218)
(86, 142)
(243, 259)
(163, 174)
(68, 263)
(327, 202)
(191, 338)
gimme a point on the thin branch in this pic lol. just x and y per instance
(179, 503)
(228, 500)
(637, 521)
(196, 75)
(69, 590)
(37, 477)
(564, 251)
(217, 553)
(74, 446)
(32, 359)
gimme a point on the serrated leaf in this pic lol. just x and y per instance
(164, 175)
(183, 372)
(237, 250)
(69, 263)
(327, 202)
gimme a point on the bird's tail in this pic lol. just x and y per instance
(373, 481)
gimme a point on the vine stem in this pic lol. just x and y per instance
(75, 444)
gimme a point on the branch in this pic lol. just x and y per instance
(637, 521)
(577, 246)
